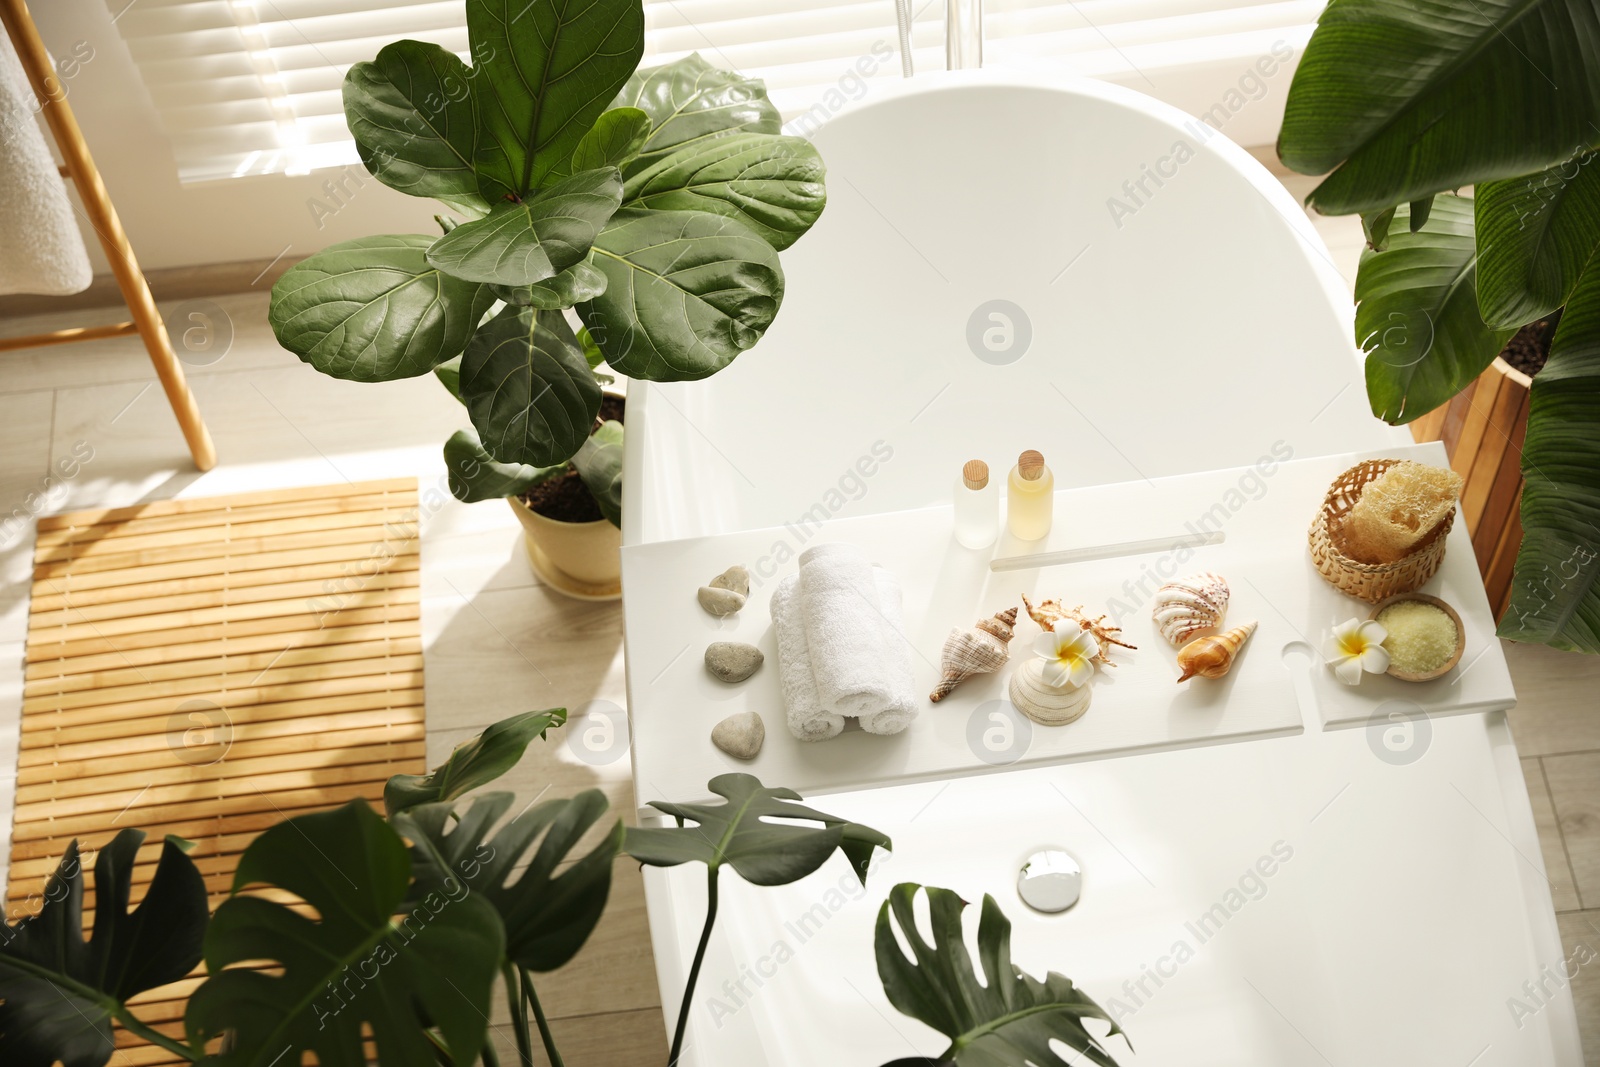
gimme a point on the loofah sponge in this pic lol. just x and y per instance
(1396, 511)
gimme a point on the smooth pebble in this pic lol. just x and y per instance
(733, 661)
(740, 735)
(735, 578)
(719, 601)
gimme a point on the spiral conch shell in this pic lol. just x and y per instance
(1213, 656)
(1047, 613)
(980, 650)
(1190, 605)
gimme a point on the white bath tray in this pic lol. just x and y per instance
(1138, 707)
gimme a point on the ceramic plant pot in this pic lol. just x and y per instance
(577, 559)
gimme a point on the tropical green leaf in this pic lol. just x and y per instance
(474, 763)
(615, 139)
(410, 111)
(531, 396)
(1417, 314)
(1555, 597)
(547, 915)
(475, 475)
(1375, 225)
(579, 282)
(1411, 99)
(740, 833)
(1535, 233)
(774, 185)
(599, 464)
(690, 102)
(1006, 1019)
(548, 70)
(686, 292)
(364, 965)
(58, 992)
(373, 310)
(449, 375)
(533, 239)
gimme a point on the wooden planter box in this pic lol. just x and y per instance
(1483, 429)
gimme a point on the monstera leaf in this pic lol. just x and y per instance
(690, 102)
(1535, 234)
(1407, 100)
(547, 71)
(686, 292)
(1005, 1019)
(474, 763)
(526, 385)
(59, 993)
(1417, 314)
(360, 966)
(475, 475)
(599, 464)
(373, 309)
(534, 239)
(547, 915)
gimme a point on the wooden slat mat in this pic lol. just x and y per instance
(207, 668)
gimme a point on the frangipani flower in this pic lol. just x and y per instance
(1357, 648)
(1068, 654)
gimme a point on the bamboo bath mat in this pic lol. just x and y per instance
(208, 668)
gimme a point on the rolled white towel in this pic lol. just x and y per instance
(807, 719)
(844, 630)
(903, 702)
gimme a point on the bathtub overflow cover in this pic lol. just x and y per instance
(1050, 881)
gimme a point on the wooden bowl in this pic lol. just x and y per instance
(1461, 636)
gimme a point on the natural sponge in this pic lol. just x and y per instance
(1397, 510)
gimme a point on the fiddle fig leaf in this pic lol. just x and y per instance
(1535, 233)
(533, 239)
(474, 763)
(579, 282)
(690, 102)
(449, 375)
(615, 139)
(599, 464)
(547, 915)
(58, 992)
(1417, 314)
(410, 111)
(363, 965)
(1005, 1018)
(740, 834)
(531, 396)
(548, 71)
(373, 309)
(774, 185)
(475, 475)
(686, 292)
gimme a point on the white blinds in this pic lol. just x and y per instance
(252, 86)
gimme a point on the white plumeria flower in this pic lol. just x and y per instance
(1069, 656)
(1357, 649)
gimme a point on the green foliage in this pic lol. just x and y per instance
(474, 763)
(527, 387)
(1535, 233)
(599, 464)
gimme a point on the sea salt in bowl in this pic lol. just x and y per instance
(1402, 640)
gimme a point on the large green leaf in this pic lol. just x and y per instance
(475, 762)
(579, 282)
(1409, 99)
(475, 475)
(58, 993)
(547, 72)
(686, 292)
(1006, 1019)
(534, 239)
(547, 915)
(360, 965)
(690, 102)
(1535, 233)
(410, 111)
(740, 833)
(774, 185)
(1417, 314)
(615, 139)
(1556, 595)
(599, 464)
(531, 395)
(372, 309)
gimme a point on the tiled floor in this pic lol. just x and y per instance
(499, 643)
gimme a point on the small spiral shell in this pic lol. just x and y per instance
(1213, 656)
(980, 650)
(1190, 605)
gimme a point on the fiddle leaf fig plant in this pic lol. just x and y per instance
(650, 204)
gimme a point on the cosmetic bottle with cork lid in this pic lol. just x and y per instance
(1030, 497)
(977, 511)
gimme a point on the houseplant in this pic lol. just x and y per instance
(1404, 106)
(651, 204)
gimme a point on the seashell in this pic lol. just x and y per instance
(1047, 705)
(1189, 605)
(1212, 657)
(980, 650)
(1049, 612)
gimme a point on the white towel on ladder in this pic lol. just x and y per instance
(41, 248)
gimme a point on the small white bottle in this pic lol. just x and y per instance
(977, 506)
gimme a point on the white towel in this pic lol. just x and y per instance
(903, 702)
(807, 720)
(41, 249)
(844, 630)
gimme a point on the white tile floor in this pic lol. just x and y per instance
(499, 643)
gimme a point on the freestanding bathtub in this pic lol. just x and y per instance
(1018, 262)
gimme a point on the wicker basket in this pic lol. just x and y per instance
(1371, 582)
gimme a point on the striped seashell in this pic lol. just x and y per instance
(1190, 605)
